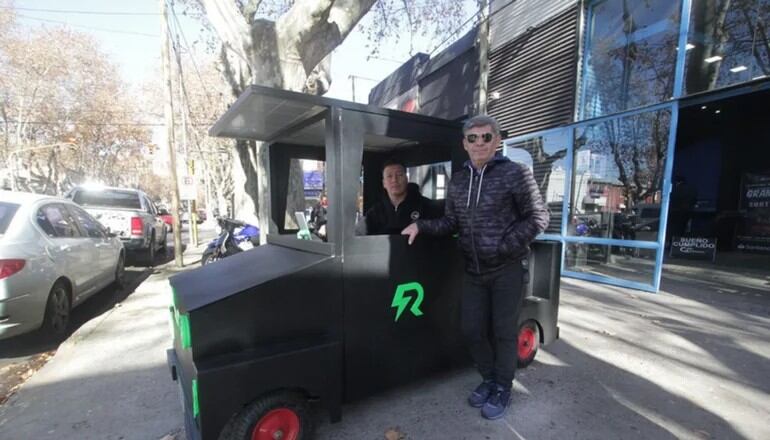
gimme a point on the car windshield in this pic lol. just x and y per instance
(111, 198)
(7, 211)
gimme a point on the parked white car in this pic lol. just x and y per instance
(53, 255)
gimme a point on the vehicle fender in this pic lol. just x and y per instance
(226, 388)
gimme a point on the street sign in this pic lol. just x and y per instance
(188, 190)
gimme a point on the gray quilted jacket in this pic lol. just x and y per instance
(498, 212)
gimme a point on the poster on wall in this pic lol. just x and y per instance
(754, 236)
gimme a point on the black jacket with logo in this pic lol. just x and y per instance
(384, 218)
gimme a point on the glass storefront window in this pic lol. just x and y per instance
(619, 262)
(617, 178)
(546, 156)
(630, 55)
(727, 43)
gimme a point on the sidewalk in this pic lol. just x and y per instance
(109, 380)
(692, 362)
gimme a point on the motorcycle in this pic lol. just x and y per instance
(234, 236)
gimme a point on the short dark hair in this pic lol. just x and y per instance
(481, 121)
(392, 161)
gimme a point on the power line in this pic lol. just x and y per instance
(87, 27)
(189, 50)
(501, 8)
(68, 11)
(96, 124)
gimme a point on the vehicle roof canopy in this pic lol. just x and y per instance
(346, 135)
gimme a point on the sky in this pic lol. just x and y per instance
(129, 32)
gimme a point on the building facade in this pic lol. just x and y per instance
(645, 124)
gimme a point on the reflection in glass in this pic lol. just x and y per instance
(727, 43)
(620, 262)
(630, 55)
(617, 174)
(545, 156)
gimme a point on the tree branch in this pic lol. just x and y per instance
(311, 29)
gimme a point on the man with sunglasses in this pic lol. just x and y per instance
(496, 207)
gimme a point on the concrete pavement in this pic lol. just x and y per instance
(692, 362)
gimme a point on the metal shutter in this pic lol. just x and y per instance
(535, 75)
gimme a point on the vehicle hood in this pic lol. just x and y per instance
(210, 283)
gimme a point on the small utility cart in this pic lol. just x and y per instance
(263, 336)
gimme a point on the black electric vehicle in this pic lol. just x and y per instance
(265, 335)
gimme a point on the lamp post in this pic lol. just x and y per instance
(13, 155)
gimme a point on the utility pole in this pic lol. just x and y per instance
(190, 167)
(483, 42)
(168, 110)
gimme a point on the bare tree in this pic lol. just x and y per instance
(287, 44)
(66, 115)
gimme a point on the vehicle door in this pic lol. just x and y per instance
(106, 250)
(73, 254)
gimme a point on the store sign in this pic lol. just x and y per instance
(754, 234)
(696, 248)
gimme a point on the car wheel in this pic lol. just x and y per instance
(164, 244)
(120, 272)
(57, 311)
(282, 415)
(529, 341)
(151, 252)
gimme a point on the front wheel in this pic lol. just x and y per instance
(529, 341)
(208, 257)
(282, 415)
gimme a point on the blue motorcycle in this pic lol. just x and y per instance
(234, 236)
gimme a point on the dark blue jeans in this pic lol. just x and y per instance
(490, 314)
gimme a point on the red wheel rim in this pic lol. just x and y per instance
(278, 424)
(527, 342)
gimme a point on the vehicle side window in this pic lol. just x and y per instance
(57, 222)
(88, 224)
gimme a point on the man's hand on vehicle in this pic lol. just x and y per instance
(412, 231)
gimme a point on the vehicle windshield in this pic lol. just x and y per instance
(110, 198)
(7, 211)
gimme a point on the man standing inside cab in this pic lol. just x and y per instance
(403, 205)
(495, 206)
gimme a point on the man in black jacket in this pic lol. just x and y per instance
(496, 207)
(403, 205)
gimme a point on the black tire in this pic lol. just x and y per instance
(164, 244)
(57, 311)
(150, 252)
(120, 272)
(208, 257)
(528, 343)
(284, 415)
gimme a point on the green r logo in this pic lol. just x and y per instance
(401, 301)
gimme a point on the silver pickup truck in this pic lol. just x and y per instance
(129, 214)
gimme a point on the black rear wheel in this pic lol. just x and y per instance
(283, 415)
(150, 252)
(57, 311)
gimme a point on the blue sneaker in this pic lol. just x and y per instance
(497, 404)
(480, 395)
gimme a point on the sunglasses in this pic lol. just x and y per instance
(472, 138)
